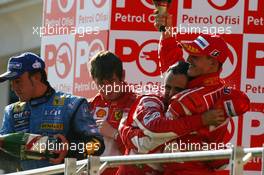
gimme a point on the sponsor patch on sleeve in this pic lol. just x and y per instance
(148, 118)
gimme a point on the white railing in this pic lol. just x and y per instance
(94, 165)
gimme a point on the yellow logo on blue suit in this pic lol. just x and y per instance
(19, 107)
(53, 126)
(58, 101)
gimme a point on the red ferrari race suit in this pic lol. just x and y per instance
(139, 140)
(205, 91)
(133, 132)
(232, 101)
(201, 96)
(112, 112)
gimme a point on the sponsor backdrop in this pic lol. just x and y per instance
(74, 30)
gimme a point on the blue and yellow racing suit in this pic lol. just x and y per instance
(53, 113)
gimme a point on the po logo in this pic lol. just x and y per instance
(64, 6)
(60, 58)
(94, 47)
(228, 4)
(145, 55)
(99, 3)
(147, 3)
(86, 50)
(147, 61)
(63, 61)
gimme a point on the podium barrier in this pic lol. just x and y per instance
(93, 165)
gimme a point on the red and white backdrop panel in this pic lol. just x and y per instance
(126, 28)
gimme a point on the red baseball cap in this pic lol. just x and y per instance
(206, 44)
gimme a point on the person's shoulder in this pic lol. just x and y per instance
(65, 95)
(63, 98)
(192, 93)
(130, 96)
(16, 106)
(96, 98)
(203, 91)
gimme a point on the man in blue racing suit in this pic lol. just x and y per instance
(42, 110)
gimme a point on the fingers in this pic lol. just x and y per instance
(163, 19)
(215, 112)
(160, 20)
(219, 111)
(61, 137)
(214, 117)
(99, 123)
(59, 159)
(62, 151)
(156, 11)
(106, 129)
(220, 120)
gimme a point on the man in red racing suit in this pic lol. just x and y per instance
(202, 94)
(109, 106)
(112, 112)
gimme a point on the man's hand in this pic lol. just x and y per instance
(62, 152)
(164, 20)
(106, 129)
(213, 117)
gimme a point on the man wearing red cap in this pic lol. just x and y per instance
(206, 90)
(139, 139)
(207, 53)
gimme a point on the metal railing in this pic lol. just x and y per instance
(95, 165)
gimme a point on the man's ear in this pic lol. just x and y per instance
(123, 75)
(214, 64)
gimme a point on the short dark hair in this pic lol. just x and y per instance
(180, 67)
(44, 78)
(104, 65)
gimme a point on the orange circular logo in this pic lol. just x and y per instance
(100, 113)
(92, 147)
